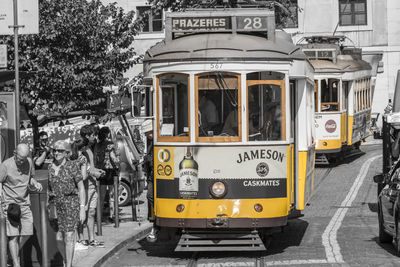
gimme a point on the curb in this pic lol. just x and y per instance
(117, 247)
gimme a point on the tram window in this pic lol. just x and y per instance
(173, 105)
(218, 105)
(345, 98)
(329, 95)
(265, 112)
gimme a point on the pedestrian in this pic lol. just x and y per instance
(88, 134)
(106, 159)
(43, 155)
(81, 159)
(148, 166)
(16, 176)
(67, 193)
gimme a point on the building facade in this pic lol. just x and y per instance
(373, 25)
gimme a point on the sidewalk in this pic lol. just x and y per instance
(371, 141)
(115, 238)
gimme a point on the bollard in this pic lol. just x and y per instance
(99, 210)
(133, 197)
(3, 238)
(43, 219)
(116, 200)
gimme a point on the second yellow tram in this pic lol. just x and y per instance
(342, 96)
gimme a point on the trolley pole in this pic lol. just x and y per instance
(116, 200)
(99, 210)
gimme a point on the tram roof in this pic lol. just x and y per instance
(344, 63)
(225, 47)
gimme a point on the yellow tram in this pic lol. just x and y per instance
(234, 131)
(342, 95)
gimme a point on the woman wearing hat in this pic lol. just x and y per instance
(66, 191)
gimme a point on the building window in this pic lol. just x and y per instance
(352, 12)
(152, 22)
(292, 21)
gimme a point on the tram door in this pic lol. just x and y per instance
(345, 115)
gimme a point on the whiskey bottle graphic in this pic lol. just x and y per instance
(188, 176)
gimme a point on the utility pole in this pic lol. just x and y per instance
(16, 63)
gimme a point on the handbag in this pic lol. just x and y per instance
(14, 214)
(52, 211)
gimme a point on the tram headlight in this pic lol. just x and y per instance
(258, 207)
(180, 208)
(218, 189)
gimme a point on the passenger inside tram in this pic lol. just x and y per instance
(231, 124)
(208, 114)
(265, 120)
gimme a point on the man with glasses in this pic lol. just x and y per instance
(43, 154)
(16, 177)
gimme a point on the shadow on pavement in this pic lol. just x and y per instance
(386, 246)
(291, 237)
(373, 207)
(277, 243)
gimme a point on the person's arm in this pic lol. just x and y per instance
(39, 158)
(3, 176)
(84, 171)
(82, 198)
(38, 186)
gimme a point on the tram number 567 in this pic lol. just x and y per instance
(216, 66)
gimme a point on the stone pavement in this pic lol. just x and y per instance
(371, 141)
(115, 238)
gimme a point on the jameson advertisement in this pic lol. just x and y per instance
(221, 162)
(188, 172)
(188, 176)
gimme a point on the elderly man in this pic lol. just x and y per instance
(15, 178)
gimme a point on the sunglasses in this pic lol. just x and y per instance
(44, 139)
(59, 150)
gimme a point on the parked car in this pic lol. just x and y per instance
(389, 206)
(130, 170)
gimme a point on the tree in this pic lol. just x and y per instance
(81, 47)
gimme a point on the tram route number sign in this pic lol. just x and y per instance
(243, 23)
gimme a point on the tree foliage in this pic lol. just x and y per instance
(81, 47)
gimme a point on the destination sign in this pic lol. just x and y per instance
(253, 21)
(201, 23)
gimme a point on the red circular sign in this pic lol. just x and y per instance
(330, 126)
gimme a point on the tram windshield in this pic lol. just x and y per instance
(329, 95)
(218, 104)
(265, 112)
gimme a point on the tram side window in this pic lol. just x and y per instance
(265, 112)
(218, 105)
(173, 105)
(329, 95)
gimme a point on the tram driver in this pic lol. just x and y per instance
(208, 114)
